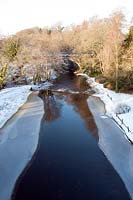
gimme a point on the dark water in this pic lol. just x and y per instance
(69, 164)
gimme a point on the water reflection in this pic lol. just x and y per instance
(79, 102)
(73, 82)
(52, 107)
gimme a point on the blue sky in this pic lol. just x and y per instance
(16, 15)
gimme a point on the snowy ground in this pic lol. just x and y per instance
(119, 106)
(11, 99)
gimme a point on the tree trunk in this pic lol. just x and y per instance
(116, 69)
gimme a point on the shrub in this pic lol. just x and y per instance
(11, 48)
(3, 72)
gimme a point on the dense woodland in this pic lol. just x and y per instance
(101, 47)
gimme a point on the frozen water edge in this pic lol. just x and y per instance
(116, 103)
(113, 143)
(11, 99)
(19, 140)
(42, 86)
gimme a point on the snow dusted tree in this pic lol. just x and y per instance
(3, 72)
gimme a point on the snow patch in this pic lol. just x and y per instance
(42, 86)
(11, 99)
(67, 91)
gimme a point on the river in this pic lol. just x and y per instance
(68, 163)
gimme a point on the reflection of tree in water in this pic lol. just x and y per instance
(52, 107)
(81, 84)
(79, 101)
(72, 82)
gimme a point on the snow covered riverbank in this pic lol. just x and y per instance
(113, 143)
(11, 99)
(18, 142)
(119, 106)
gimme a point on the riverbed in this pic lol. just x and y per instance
(68, 163)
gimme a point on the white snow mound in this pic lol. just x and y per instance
(11, 99)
